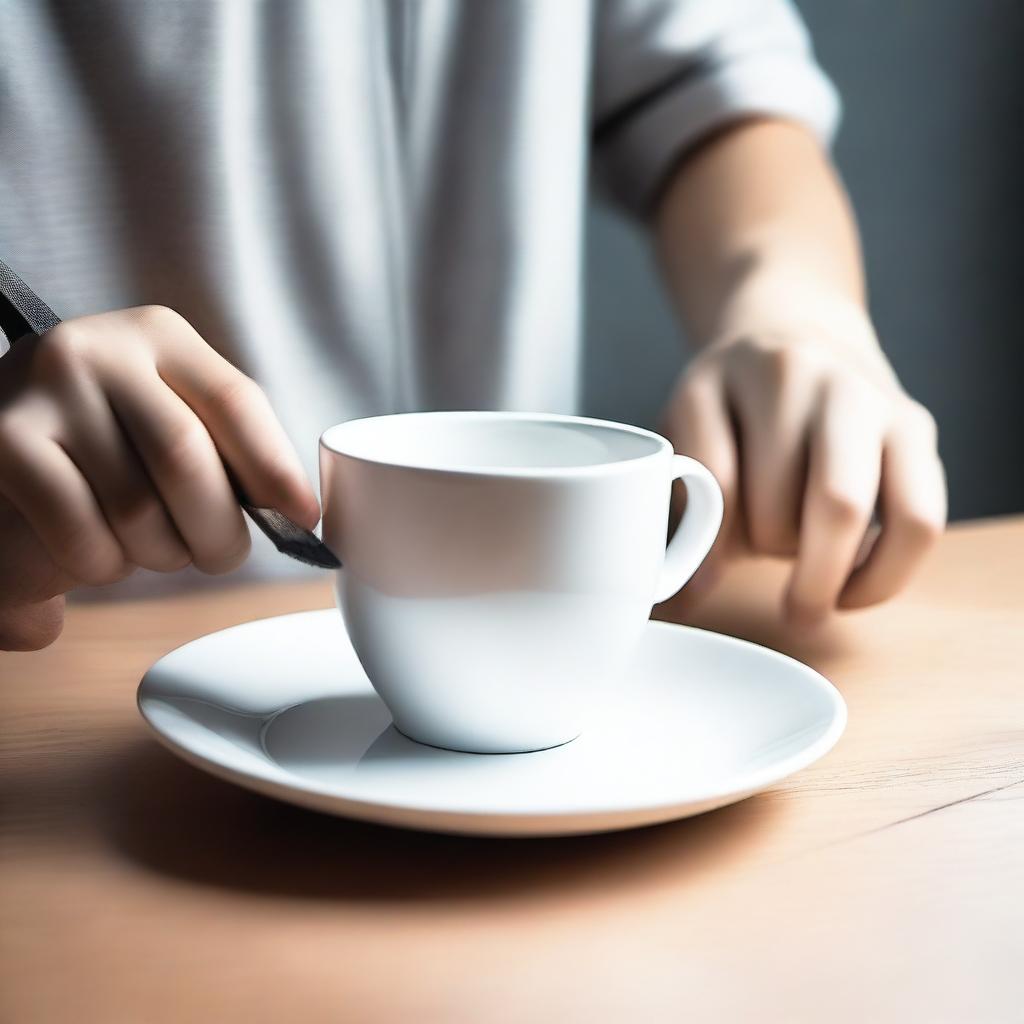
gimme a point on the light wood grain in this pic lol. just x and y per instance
(884, 883)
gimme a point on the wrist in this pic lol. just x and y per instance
(790, 301)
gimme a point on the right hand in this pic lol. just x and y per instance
(113, 429)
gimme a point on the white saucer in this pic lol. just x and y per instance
(283, 707)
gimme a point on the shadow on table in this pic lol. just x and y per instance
(178, 821)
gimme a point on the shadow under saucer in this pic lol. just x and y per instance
(180, 822)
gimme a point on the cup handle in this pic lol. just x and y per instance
(697, 531)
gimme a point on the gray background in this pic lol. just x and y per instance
(932, 150)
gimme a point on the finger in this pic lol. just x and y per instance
(133, 508)
(31, 627)
(39, 479)
(28, 575)
(699, 425)
(842, 487)
(773, 409)
(913, 510)
(185, 467)
(242, 424)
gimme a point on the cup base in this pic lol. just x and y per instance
(482, 748)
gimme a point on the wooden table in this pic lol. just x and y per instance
(885, 883)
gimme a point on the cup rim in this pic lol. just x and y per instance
(330, 444)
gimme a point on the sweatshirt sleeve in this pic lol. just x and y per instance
(669, 73)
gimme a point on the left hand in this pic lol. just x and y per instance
(809, 432)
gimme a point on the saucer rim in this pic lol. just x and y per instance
(277, 781)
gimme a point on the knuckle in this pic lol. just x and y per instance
(806, 607)
(279, 478)
(98, 571)
(859, 398)
(61, 351)
(141, 522)
(239, 551)
(234, 393)
(183, 455)
(157, 319)
(782, 365)
(89, 558)
(683, 409)
(166, 558)
(779, 364)
(746, 346)
(698, 392)
(701, 376)
(89, 561)
(180, 558)
(923, 421)
(121, 569)
(226, 558)
(780, 368)
(841, 508)
(922, 529)
(132, 509)
(772, 540)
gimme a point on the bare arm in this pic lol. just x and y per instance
(790, 400)
(755, 211)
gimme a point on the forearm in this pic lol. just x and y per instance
(754, 227)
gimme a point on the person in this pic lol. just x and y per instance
(303, 212)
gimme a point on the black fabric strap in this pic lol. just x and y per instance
(21, 310)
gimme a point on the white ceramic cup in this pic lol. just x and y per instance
(498, 568)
